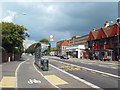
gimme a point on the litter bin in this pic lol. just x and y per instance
(45, 66)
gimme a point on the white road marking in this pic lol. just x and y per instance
(90, 63)
(108, 66)
(32, 81)
(88, 83)
(115, 67)
(43, 75)
(92, 70)
(17, 71)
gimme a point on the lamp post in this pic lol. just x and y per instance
(18, 14)
(13, 55)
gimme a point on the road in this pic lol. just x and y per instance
(62, 74)
(104, 77)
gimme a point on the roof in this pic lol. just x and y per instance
(108, 30)
(104, 32)
(116, 30)
(95, 33)
(65, 42)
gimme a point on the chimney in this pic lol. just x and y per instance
(94, 29)
(106, 24)
(118, 20)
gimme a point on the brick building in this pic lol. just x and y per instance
(105, 42)
(61, 47)
(73, 47)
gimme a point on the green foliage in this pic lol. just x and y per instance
(2, 49)
(86, 47)
(44, 40)
(52, 49)
(13, 36)
(31, 48)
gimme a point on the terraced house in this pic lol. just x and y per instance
(105, 42)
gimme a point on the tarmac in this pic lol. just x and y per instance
(88, 60)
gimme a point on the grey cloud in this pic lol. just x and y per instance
(69, 19)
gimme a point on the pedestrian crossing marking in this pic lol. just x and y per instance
(55, 80)
(8, 82)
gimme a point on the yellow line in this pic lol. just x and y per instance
(104, 75)
(8, 82)
(55, 80)
(61, 66)
(76, 68)
(93, 72)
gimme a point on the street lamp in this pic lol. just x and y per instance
(13, 56)
(18, 14)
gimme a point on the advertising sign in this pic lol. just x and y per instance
(51, 38)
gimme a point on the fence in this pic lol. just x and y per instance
(7, 56)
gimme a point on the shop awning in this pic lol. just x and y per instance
(103, 50)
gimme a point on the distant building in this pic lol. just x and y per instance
(79, 44)
(75, 51)
(105, 42)
(54, 52)
(61, 47)
(79, 40)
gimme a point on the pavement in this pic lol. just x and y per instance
(29, 77)
(22, 74)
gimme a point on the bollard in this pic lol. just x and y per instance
(8, 59)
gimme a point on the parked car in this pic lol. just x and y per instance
(59, 55)
(64, 57)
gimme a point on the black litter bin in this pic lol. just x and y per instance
(45, 66)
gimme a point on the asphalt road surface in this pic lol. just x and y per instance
(104, 77)
(62, 74)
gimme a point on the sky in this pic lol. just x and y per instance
(60, 19)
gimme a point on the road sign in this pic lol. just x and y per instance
(51, 38)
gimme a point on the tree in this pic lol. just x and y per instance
(52, 49)
(31, 48)
(44, 40)
(13, 36)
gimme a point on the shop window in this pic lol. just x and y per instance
(103, 53)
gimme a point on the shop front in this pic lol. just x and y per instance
(103, 54)
(75, 51)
